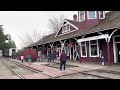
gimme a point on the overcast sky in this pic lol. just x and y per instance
(17, 23)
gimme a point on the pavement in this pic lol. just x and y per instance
(50, 72)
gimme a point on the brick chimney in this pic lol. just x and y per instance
(75, 17)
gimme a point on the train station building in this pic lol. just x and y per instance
(88, 33)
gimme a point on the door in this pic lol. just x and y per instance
(72, 53)
(118, 51)
(59, 51)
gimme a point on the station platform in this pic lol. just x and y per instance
(51, 72)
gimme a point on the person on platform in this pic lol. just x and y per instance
(63, 57)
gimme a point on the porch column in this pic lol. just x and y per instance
(37, 48)
(43, 49)
(108, 52)
(62, 44)
(51, 45)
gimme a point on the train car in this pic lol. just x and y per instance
(12, 52)
(33, 53)
(1, 53)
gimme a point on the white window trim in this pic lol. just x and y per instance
(65, 26)
(97, 49)
(103, 15)
(81, 50)
(114, 48)
(84, 17)
(91, 18)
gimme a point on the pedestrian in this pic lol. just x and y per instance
(52, 56)
(22, 58)
(49, 57)
(39, 56)
(57, 55)
(101, 56)
(75, 55)
(63, 57)
(29, 59)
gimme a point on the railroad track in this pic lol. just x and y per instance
(21, 77)
(23, 66)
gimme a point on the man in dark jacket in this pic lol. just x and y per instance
(63, 57)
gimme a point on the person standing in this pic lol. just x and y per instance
(101, 56)
(22, 58)
(75, 55)
(29, 59)
(63, 57)
(52, 56)
(49, 57)
(39, 56)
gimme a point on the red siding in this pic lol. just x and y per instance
(103, 47)
(89, 22)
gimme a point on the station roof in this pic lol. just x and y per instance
(111, 21)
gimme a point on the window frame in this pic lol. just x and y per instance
(65, 28)
(88, 17)
(81, 49)
(103, 15)
(97, 49)
(83, 16)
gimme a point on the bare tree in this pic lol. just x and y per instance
(55, 23)
(31, 37)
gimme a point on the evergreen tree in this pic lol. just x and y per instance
(2, 38)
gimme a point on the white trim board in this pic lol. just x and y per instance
(93, 38)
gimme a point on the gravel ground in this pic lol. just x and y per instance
(78, 76)
(5, 71)
(104, 74)
(19, 69)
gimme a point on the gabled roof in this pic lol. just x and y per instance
(70, 22)
(111, 21)
(76, 23)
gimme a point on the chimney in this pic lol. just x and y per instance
(75, 17)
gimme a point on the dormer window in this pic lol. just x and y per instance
(82, 16)
(65, 28)
(101, 14)
(91, 14)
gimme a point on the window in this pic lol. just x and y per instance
(66, 28)
(83, 49)
(101, 14)
(82, 16)
(91, 14)
(117, 39)
(63, 29)
(93, 45)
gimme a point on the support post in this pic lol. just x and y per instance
(108, 52)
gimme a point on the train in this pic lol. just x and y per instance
(33, 53)
(13, 53)
(1, 53)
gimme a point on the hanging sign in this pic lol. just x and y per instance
(70, 45)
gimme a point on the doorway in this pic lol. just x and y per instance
(71, 53)
(118, 52)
